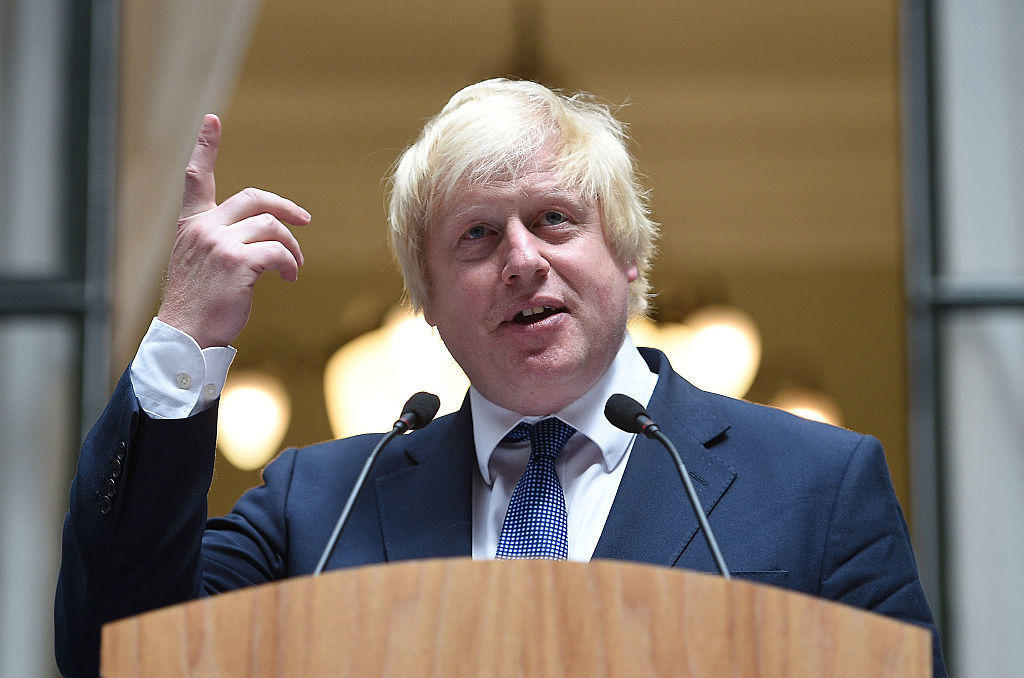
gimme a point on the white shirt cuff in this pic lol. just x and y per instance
(173, 378)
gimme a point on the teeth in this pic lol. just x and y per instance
(526, 313)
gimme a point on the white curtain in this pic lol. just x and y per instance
(179, 59)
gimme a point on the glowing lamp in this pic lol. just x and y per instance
(254, 415)
(717, 348)
(368, 379)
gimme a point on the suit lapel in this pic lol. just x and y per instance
(425, 508)
(651, 520)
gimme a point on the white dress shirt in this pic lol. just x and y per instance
(590, 465)
(173, 378)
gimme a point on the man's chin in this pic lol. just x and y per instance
(551, 362)
(546, 381)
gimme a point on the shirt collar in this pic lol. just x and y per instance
(627, 374)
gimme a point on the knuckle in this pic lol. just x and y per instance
(284, 256)
(228, 257)
(252, 194)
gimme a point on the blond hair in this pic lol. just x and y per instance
(496, 128)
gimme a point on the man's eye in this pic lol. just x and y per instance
(551, 218)
(476, 233)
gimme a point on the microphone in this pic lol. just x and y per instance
(627, 414)
(418, 411)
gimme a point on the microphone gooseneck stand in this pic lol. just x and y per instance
(630, 416)
(417, 413)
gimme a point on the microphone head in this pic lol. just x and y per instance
(625, 413)
(420, 409)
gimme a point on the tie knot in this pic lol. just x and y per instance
(547, 436)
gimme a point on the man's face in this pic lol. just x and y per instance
(525, 292)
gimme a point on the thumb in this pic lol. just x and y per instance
(200, 188)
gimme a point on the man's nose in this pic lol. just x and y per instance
(523, 256)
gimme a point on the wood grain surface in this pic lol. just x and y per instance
(459, 617)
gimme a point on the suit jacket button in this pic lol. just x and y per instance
(115, 468)
(122, 448)
(110, 485)
(105, 505)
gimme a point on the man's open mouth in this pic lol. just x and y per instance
(529, 316)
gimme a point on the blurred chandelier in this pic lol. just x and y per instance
(368, 379)
(717, 348)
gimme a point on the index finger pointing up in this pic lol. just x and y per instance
(200, 188)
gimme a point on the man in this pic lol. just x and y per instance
(523, 236)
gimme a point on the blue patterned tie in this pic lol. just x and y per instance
(535, 523)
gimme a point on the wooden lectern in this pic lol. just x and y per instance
(514, 618)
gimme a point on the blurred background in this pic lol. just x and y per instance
(839, 186)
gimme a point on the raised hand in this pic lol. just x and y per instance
(221, 250)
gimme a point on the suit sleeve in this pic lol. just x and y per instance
(132, 535)
(868, 560)
(136, 536)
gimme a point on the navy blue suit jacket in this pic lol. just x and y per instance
(793, 503)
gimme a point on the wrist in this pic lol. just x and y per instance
(191, 329)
